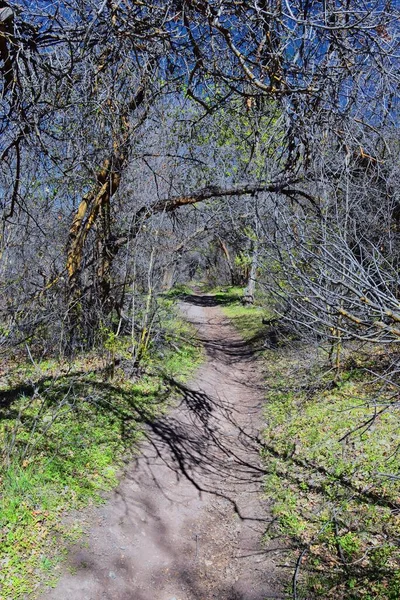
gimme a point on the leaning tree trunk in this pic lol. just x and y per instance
(85, 308)
(228, 260)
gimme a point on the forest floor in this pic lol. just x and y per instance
(187, 519)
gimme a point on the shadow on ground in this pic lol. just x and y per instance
(190, 505)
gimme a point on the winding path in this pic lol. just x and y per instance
(187, 518)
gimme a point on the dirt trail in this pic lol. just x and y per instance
(186, 521)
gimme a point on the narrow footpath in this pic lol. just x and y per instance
(187, 519)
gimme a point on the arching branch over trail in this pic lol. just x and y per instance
(212, 192)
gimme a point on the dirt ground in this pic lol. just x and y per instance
(187, 518)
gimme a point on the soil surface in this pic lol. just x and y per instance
(187, 519)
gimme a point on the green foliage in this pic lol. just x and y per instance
(115, 344)
(242, 260)
(242, 136)
(350, 543)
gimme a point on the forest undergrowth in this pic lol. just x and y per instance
(66, 431)
(330, 447)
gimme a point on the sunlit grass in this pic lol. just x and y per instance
(248, 319)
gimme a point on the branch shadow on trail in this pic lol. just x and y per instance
(205, 442)
(193, 445)
(208, 440)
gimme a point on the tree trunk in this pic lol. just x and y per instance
(248, 296)
(168, 278)
(228, 261)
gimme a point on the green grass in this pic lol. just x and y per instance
(228, 295)
(247, 319)
(65, 443)
(329, 497)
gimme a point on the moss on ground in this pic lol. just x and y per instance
(64, 430)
